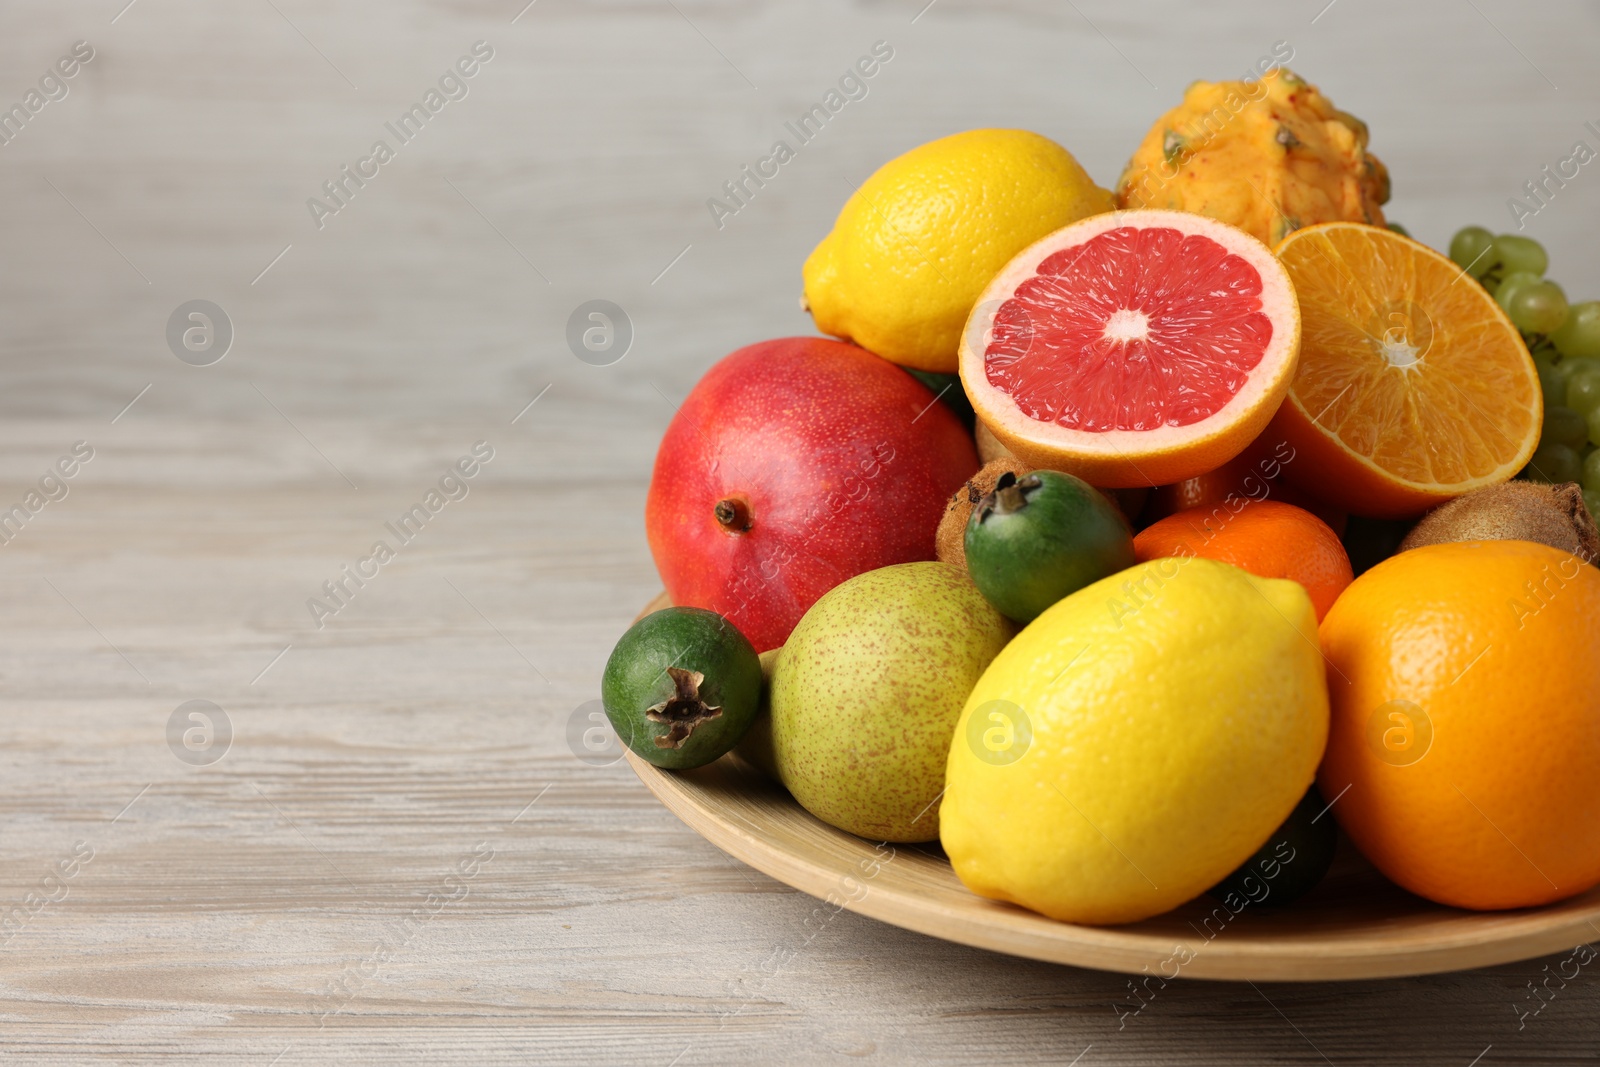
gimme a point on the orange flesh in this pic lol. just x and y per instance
(1407, 363)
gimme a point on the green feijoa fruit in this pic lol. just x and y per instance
(1291, 863)
(1038, 538)
(681, 687)
(947, 387)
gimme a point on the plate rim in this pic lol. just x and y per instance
(1474, 939)
(1004, 928)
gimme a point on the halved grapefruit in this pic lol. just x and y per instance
(1136, 348)
(1413, 386)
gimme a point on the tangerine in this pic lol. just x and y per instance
(1268, 538)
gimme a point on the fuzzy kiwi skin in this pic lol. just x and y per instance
(949, 542)
(1551, 515)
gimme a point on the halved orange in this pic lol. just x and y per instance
(1413, 387)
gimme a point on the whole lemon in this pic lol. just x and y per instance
(1137, 742)
(918, 241)
(1465, 686)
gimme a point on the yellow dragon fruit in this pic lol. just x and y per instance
(1267, 156)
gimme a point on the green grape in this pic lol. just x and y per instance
(1555, 463)
(1591, 500)
(1551, 383)
(1591, 472)
(1580, 334)
(1540, 307)
(1399, 229)
(1474, 251)
(1521, 253)
(1564, 426)
(1583, 392)
(1510, 284)
(1592, 422)
(1568, 369)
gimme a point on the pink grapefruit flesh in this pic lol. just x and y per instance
(1136, 348)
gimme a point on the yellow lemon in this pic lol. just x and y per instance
(1137, 742)
(918, 241)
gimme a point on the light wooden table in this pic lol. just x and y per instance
(399, 858)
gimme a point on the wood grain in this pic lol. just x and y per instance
(263, 909)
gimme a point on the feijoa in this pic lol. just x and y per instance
(1291, 863)
(1041, 537)
(681, 687)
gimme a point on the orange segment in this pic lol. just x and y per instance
(1413, 386)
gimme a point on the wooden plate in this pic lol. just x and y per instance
(1355, 924)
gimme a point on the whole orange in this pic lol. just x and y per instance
(1465, 738)
(1265, 537)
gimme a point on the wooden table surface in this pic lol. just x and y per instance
(400, 856)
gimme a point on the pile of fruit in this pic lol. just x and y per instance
(1048, 556)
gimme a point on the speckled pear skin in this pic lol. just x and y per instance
(866, 693)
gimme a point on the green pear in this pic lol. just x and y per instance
(866, 693)
(756, 745)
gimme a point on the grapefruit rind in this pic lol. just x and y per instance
(1125, 459)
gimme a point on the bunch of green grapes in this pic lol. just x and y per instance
(1564, 340)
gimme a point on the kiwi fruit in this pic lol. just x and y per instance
(1551, 515)
(949, 541)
